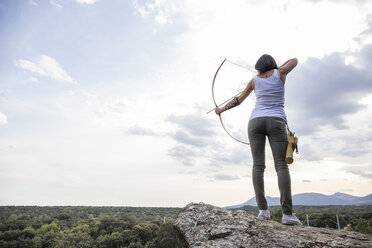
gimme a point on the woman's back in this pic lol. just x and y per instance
(269, 97)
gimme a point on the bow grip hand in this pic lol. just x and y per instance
(218, 110)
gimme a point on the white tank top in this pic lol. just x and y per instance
(269, 97)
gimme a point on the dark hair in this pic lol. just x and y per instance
(265, 63)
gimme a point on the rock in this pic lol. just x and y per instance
(204, 225)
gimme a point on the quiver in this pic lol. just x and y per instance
(292, 145)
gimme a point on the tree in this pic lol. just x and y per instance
(113, 240)
(52, 227)
(145, 232)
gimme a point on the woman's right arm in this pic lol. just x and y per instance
(286, 68)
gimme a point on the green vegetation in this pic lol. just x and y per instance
(351, 218)
(87, 227)
(136, 227)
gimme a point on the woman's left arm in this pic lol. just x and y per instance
(238, 99)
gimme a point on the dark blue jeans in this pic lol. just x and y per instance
(275, 129)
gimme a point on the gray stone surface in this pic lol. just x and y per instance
(204, 225)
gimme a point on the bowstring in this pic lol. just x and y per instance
(242, 66)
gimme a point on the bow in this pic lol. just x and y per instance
(215, 103)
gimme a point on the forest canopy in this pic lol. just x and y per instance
(138, 227)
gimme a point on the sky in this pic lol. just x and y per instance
(103, 102)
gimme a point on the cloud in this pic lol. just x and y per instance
(86, 1)
(235, 156)
(322, 91)
(225, 177)
(361, 171)
(184, 172)
(162, 12)
(356, 144)
(194, 135)
(324, 180)
(3, 119)
(192, 129)
(53, 2)
(187, 139)
(356, 149)
(44, 66)
(306, 181)
(137, 130)
(184, 154)
(309, 152)
(195, 124)
(34, 79)
(32, 2)
(113, 107)
(197, 136)
(364, 57)
(360, 2)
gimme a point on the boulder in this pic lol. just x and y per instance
(205, 225)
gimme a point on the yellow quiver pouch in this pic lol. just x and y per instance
(292, 145)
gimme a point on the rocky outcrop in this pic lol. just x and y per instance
(204, 225)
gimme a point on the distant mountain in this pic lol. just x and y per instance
(345, 197)
(366, 200)
(314, 199)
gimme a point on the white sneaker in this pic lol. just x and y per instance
(264, 215)
(290, 220)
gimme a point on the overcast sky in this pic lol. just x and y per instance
(103, 102)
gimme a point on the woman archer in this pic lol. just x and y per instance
(268, 119)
